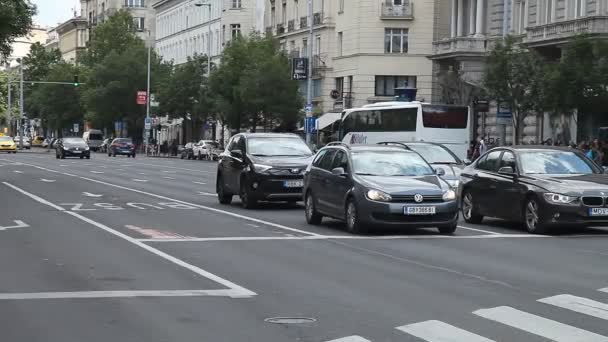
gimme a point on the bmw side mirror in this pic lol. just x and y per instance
(236, 153)
(339, 171)
(506, 170)
(440, 172)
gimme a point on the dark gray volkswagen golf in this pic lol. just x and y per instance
(374, 186)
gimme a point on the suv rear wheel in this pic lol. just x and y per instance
(248, 199)
(222, 196)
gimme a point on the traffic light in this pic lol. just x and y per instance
(76, 83)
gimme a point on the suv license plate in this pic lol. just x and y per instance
(419, 210)
(598, 211)
(293, 184)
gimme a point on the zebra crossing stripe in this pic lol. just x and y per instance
(540, 326)
(437, 331)
(353, 338)
(578, 304)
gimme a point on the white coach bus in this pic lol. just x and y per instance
(408, 121)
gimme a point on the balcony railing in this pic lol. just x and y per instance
(319, 64)
(567, 29)
(291, 26)
(392, 11)
(460, 46)
(294, 53)
(303, 22)
(317, 18)
(280, 28)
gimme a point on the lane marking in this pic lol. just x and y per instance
(578, 304)
(170, 171)
(17, 171)
(120, 169)
(97, 172)
(167, 177)
(47, 180)
(141, 173)
(88, 194)
(479, 230)
(155, 233)
(353, 338)
(437, 331)
(120, 294)
(18, 224)
(202, 193)
(243, 292)
(63, 165)
(201, 183)
(140, 180)
(537, 325)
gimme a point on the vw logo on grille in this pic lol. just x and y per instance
(418, 198)
(295, 171)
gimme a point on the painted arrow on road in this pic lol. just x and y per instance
(88, 194)
(19, 224)
(17, 171)
(47, 180)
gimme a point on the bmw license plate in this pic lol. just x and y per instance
(598, 211)
(293, 183)
(419, 210)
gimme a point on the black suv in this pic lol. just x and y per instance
(262, 167)
(374, 185)
(72, 147)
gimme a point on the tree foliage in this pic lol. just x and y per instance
(37, 65)
(15, 21)
(253, 86)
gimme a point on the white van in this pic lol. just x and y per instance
(93, 138)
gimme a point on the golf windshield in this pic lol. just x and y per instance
(276, 147)
(390, 163)
(434, 154)
(73, 141)
(554, 163)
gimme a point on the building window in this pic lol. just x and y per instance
(385, 85)
(395, 40)
(236, 3)
(522, 17)
(296, 14)
(340, 86)
(139, 23)
(223, 34)
(273, 16)
(549, 11)
(580, 9)
(135, 3)
(340, 36)
(317, 46)
(340, 6)
(235, 30)
(284, 13)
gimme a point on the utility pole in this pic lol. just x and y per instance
(10, 101)
(310, 62)
(20, 104)
(146, 131)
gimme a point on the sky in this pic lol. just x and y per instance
(53, 12)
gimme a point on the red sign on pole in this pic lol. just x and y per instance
(141, 97)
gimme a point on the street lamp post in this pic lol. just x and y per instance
(310, 66)
(20, 104)
(146, 131)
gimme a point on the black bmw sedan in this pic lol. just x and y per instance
(71, 147)
(540, 186)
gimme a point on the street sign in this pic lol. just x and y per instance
(482, 106)
(310, 124)
(148, 123)
(308, 108)
(503, 113)
(153, 102)
(141, 97)
(300, 68)
(76, 127)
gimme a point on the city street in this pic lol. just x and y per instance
(121, 249)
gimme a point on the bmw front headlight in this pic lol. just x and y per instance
(377, 195)
(449, 195)
(559, 198)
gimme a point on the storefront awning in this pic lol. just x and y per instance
(327, 119)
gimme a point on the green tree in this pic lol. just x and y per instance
(15, 21)
(512, 75)
(37, 65)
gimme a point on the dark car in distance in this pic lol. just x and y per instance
(71, 147)
(121, 146)
(262, 167)
(541, 186)
(375, 186)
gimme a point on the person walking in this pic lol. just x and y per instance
(483, 148)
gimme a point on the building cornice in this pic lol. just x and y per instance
(190, 29)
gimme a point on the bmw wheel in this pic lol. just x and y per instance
(310, 209)
(533, 218)
(468, 209)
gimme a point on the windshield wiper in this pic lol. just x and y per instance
(365, 174)
(445, 163)
(261, 155)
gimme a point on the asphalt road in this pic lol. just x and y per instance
(118, 249)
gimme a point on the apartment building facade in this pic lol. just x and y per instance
(97, 11)
(72, 37)
(183, 28)
(363, 49)
(544, 25)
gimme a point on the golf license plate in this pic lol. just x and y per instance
(76, 151)
(598, 211)
(419, 210)
(293, 183)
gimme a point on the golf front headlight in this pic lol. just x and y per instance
(449, 195)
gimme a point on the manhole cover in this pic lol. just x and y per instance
(290, 320)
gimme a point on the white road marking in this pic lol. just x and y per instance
(578, 304)
(167, 177)
(253, 225)
(201, 183)
(437, 331)
(169, 171)
(17, 171)
(47, 180)
(18, 224)
(140, 180)
(239, 290)
(120, 169)
(141, 173)
(353, 338)
(62, 165)
(202, 193)
(540, 326)
(97, 172)
(120, 294)
(155, 233)
(88, 194)
(479, 230)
